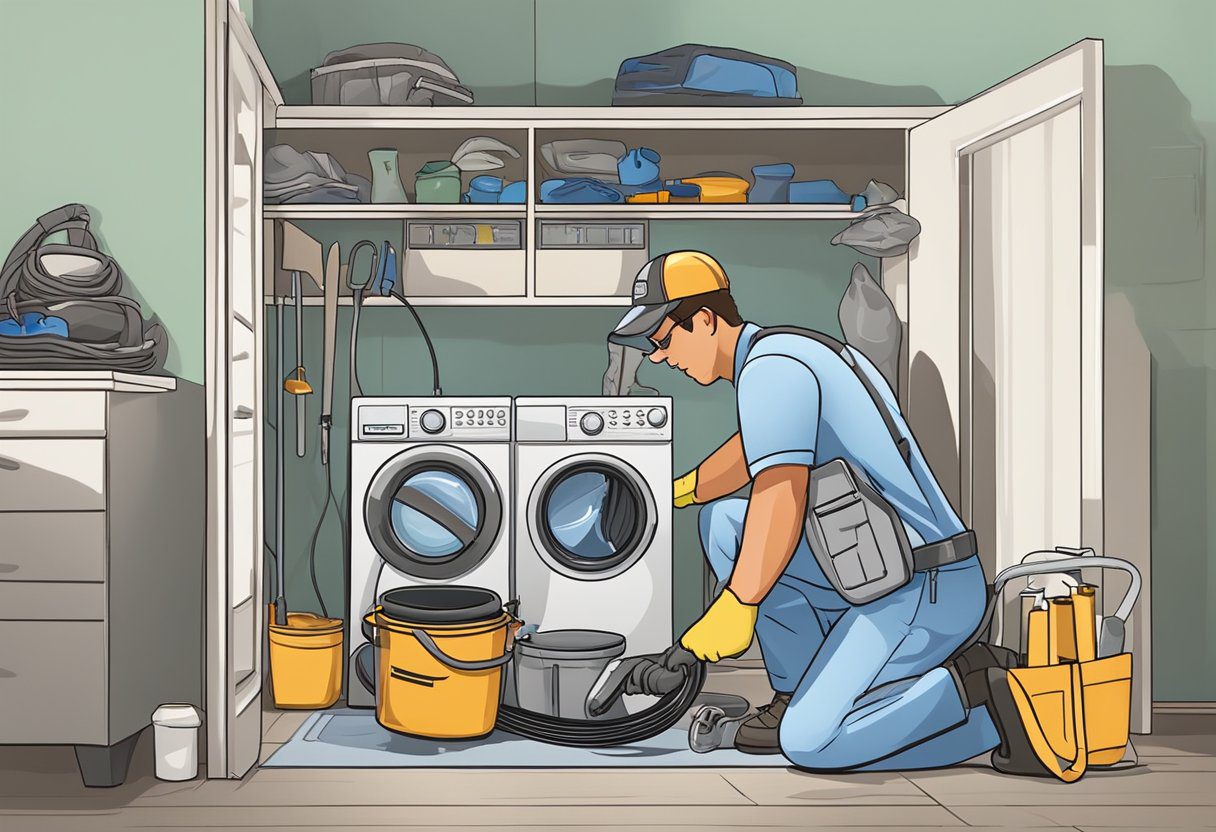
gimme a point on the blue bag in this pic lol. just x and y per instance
(819, 192)
(772, 183)
(579, 190)
(639, 166)
(698, 75)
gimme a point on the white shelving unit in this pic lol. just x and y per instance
(848, 144)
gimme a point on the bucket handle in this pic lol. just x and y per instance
(438, 655)
(429, 645)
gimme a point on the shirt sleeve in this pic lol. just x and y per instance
(778, 402)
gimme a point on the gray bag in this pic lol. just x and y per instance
(881, 232)
(593, 158)
(390, 74)
(83, 286)
(869, 323)
(856, 536)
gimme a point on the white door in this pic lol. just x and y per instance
(1005, 306)
(234, 648)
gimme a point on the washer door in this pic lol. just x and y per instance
(433, 512)
(591, 516)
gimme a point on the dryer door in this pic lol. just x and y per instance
(591, 516)
(433, 512)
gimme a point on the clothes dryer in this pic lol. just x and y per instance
(593, 516)
(430, 501)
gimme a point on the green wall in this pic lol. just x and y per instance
(103, 105)
(1160, 134)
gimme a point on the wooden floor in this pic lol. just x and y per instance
(1174, 788)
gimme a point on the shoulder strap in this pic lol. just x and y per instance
(841, 350)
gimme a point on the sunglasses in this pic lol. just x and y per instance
(665, 342)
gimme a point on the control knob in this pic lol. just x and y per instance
(591, 423)
(432, 421)
(657, 417)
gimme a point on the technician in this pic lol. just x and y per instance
(858, 686)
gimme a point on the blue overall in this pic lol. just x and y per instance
(868, 689)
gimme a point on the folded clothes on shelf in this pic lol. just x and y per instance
(290, 176)
(579, 190)
(584, 158)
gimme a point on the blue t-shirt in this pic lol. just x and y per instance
(800, 404)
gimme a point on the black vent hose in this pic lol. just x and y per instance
(605, 733)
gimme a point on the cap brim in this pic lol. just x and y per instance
(639, 323)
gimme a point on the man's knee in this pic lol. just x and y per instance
(721, 528)
(805, 735)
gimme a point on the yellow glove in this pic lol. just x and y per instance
(725, 630)
(685, 489)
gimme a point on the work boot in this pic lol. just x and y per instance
(970, 670)
(760, 734)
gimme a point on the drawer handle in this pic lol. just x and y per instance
(14, 415)
(7, 568)
(243, 355)
(242, 412)
(8, 464)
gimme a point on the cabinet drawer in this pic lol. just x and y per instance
(52, 682)
(52, 413)
(34, 601)
(52, 474)
(53, 546)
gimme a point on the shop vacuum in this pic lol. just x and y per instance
(435, 659)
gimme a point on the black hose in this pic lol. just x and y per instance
(605, 733)
(438, 390)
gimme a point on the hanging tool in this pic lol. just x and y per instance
(383, 281)
(332, 267)
(297, 384)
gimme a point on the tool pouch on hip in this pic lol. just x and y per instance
(855, 534)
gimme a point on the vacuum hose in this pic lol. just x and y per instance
(604, 733)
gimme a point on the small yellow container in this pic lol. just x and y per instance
(306, 661)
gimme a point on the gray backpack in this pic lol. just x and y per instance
(389, 74)
(80, 286)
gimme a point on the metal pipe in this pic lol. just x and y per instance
(280, 601)
(301, 428)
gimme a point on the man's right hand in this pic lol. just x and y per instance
(685, 489)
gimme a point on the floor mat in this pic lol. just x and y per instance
(351, 738)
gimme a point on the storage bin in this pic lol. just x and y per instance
(437, 183)
(175, 737)
(772, 183)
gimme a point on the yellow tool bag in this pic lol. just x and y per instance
(1069, 709)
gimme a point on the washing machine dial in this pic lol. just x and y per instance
(432, 421)
(591, 423)
(656, 417)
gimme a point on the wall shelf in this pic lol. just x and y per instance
(698, 211)
(389, 212)
(596, 117)
(468, 300)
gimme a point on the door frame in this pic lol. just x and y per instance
(938, 312)
(221, 18)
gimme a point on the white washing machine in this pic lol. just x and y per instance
(430, 501)
(593, 540)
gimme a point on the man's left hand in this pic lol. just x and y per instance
(724, 631)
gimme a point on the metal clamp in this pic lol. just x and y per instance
(712, 729)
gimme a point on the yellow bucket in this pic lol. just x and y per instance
(305, 661)
(440, 653)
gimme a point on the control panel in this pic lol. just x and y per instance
(419, 421)
(621, 422)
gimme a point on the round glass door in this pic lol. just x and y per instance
(433, 512)
(592, 516)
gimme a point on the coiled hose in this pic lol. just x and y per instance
(605, 733)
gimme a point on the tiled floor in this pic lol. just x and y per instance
(1174, 788)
